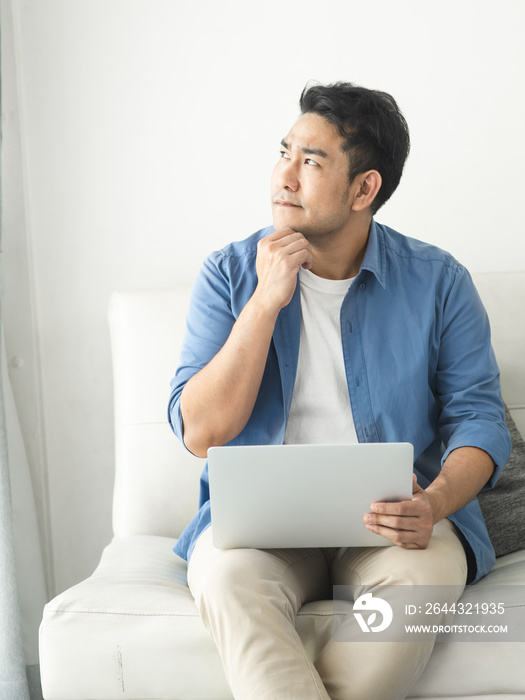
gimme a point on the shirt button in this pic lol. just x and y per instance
(362, 286)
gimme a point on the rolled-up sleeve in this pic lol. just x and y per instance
(208, 324)
(467, 377)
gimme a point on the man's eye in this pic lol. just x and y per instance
(309, 161)
(284, 154)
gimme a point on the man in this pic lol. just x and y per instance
(328, 327)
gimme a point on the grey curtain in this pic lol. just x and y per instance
(13, 679)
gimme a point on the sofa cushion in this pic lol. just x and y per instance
(503, 506)
(132, 630)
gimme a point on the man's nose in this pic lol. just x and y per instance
(288, 178)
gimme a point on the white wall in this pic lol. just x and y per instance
(148, 132)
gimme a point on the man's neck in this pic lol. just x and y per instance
(341, 257)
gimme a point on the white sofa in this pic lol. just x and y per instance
(131, 630)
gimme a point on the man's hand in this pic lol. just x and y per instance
(279, 257)
(408, 524)
(218, 401)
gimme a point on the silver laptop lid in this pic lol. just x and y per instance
(277, 496)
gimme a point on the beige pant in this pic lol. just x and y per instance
(249, 598)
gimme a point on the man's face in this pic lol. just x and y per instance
(310, 188)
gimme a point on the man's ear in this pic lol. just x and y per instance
(367, 186)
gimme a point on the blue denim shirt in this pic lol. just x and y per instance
(418, 358)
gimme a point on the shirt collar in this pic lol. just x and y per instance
(375, 254)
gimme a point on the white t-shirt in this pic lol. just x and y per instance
(321, 410)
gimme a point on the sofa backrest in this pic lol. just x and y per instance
(157, 480)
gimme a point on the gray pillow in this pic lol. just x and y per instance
(503, 506)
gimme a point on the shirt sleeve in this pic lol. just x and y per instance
(208, 324)
(467, 378)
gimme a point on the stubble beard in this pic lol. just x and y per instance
(320, 235)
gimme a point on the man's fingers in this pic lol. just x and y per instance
(288, 243)
(404, 508)
(407, 524)
(280, 234)
(392, 521)
(405, 538)
(284, 239)
(279, 257)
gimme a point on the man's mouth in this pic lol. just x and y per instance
(285, 203)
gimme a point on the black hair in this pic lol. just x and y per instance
(375, 132)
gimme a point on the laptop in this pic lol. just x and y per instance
(279, 496)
